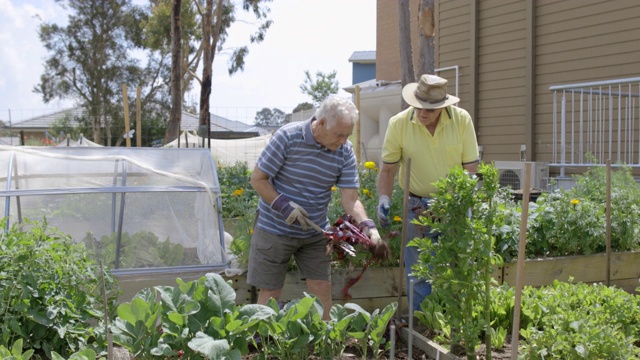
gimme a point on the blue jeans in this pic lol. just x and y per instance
(421, 287)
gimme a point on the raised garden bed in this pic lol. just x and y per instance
(379, 286)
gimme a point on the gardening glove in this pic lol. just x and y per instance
(290, 211)
(379, 247)
(383, 211)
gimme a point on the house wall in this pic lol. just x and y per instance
(509, 52)
(363, 72)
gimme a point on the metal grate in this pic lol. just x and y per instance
(509, 178)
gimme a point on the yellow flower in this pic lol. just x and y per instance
(251, 231)
(333, 188)
(397, 218)
(365, 191)
(369, 165)
(575, 202)
(238, 192)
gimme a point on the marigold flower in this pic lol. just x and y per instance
(575, 201)
(251, 231)
(333, 188)
(365, 191)
(238, 192)
(397, 218)
(369, 165)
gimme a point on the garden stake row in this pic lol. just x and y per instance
(405, 213)
(515, 331)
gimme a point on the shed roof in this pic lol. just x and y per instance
(363, 57)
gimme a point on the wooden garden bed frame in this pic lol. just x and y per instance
(379, 286)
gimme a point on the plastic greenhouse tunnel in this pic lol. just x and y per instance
(135, 209)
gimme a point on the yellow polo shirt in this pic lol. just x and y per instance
(432, 156)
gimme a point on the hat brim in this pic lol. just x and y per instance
(408, 94)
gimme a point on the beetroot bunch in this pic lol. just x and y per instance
(344, 235)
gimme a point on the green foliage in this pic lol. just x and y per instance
(16, 352)
(461, 263)
(559, 321)
(140, 250)
(50, 292)
(572, 221)
(270, 117)
(567, 321)
(63, 126)
(199, 320)
(561, 225)
(237, 195)
(320, 87)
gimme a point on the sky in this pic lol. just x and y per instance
(314, 35)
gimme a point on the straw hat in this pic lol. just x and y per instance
(429, 93)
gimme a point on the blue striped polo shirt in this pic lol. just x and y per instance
(302, 169)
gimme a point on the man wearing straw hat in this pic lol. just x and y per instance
(436, 136)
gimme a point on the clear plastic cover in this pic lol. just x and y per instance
(134, 208)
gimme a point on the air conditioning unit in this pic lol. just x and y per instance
(511, 174)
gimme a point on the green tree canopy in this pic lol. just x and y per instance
(269, 117)
(320, 87)
(90, 59)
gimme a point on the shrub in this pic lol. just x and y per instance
(50, 292)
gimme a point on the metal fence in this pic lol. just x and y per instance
(596, 121)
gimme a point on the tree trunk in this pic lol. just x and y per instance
(210, 43)
(173, 126)
(426, 33)
(406, 57)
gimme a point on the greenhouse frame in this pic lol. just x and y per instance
(137, 210)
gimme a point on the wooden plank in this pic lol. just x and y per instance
(588, 269)
(375, 282)
(432, 349)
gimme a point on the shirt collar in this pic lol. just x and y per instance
(307, 134)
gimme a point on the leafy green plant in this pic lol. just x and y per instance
(16, 352)
(199, 319)
(50, 292)
(140, 250)
(238, 197)
(579, 321)
(194, 319)
(460, 264)
(368, 329)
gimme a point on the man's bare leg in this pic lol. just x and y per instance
(322, 289)
(266, 294)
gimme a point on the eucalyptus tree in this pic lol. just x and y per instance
(88, 58)
(214, 36)
(426, 43)
(204, 26)
(270, 117)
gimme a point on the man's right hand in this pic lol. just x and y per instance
(290, 211)
(383, 211)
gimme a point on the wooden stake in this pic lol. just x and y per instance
(138, 119)
(515, 331)
(126, 115)
(405, 213)
(357, 96)
(608, 220)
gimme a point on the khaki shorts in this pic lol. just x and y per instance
(270, 255)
